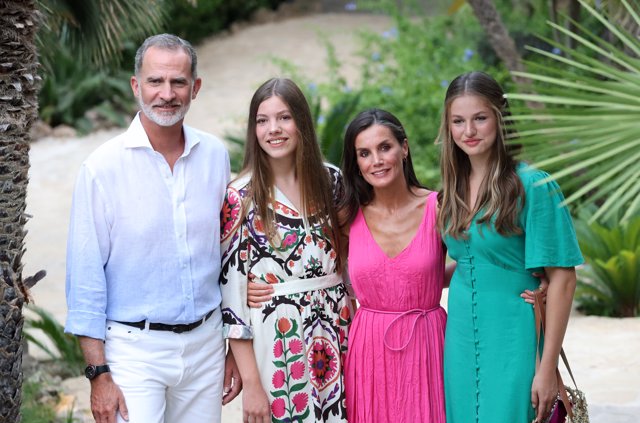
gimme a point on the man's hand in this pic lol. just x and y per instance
(107, 400)
(232, 379)
(106, 397)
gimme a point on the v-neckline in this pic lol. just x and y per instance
(413, 238)
(282, 198)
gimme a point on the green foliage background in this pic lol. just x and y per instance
(80, 85)
(194, 23)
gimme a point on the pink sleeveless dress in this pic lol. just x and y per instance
(393, 369)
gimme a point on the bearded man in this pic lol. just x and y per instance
(143, 255)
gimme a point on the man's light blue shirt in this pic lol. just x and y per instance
(144, 242)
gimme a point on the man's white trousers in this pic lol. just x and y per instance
(168, 377)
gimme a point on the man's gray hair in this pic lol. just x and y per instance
(167, 42)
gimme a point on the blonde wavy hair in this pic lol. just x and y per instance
(501, 194)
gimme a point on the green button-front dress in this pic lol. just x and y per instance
(489, 356)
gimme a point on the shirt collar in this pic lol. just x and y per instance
(137, 136)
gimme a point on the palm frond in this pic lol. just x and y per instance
(586, 134)
(97, 30)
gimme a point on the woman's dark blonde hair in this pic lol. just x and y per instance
(501, 195)
(316, 188)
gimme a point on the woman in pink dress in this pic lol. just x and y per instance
(393, 369)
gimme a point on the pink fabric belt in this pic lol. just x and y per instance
(416, 313)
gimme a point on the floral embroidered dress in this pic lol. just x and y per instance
(300, 335)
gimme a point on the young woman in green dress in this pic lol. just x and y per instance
(501, 222)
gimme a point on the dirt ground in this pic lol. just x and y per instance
(605, 353)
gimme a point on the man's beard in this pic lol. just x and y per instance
(163, 118)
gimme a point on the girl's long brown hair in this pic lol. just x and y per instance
(316, 188)
(501, 195)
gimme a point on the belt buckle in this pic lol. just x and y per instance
(179, 328)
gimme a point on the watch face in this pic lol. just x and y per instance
(90, 372)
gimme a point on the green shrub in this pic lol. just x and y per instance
(66, 346)
(74, 88)
(39, 403)
(207, 17)
(33, 410)
(609, 283)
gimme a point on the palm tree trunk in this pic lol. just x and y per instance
(18, 110)
(498, 36)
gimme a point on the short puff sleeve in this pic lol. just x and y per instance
(550, 238)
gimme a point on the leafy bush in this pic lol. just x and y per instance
(207, 17)
(75, 89)
(609, 284)
(67, 347)
(32, 409)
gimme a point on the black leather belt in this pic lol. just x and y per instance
(177, 328)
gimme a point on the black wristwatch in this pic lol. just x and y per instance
(91, 371)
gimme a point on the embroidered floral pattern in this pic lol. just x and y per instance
(303, 335)
(296, 409)
(323, 362)
(230, 213)
(278, 407)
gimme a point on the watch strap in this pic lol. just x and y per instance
(92, 371)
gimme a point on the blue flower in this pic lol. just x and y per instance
(346, 89)
(556, 50)
(375, 56)
(444, 83)
(321, 119)
(468, 54)
(386, 90)
(351, 6)
(392, 33)
(312, 87)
